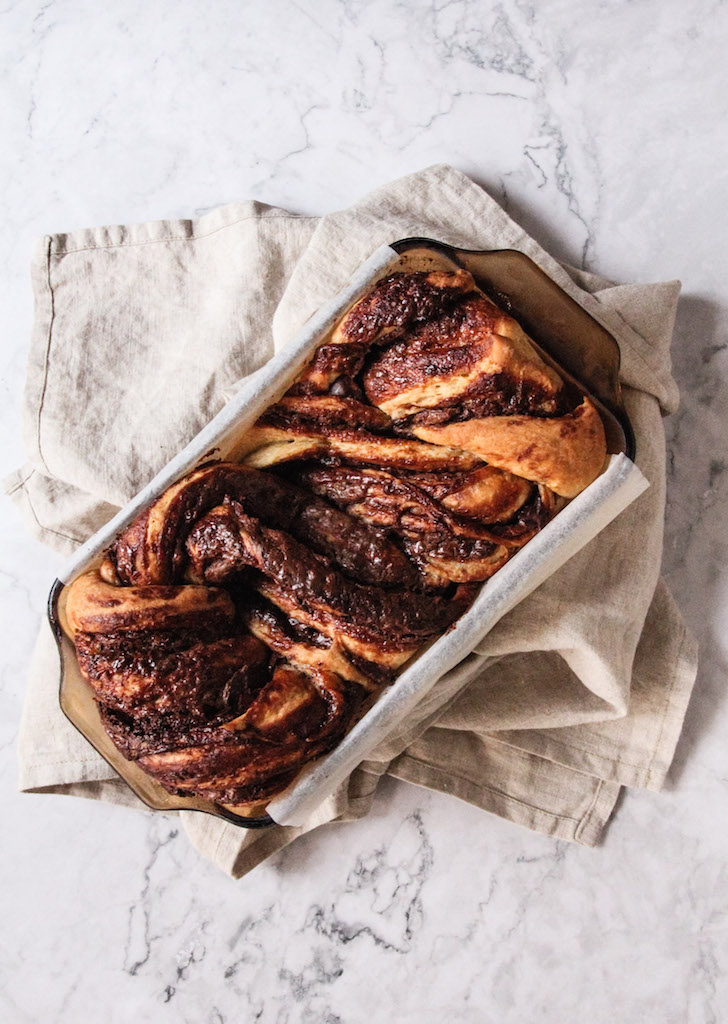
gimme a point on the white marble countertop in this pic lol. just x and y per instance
(603, 131)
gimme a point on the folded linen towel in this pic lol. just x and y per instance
(142, 330)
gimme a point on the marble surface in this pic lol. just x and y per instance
(604, 133)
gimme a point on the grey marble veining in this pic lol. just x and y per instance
(601, 129)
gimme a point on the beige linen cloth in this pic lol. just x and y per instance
(140, 334)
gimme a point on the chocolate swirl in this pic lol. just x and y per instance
(237, 624)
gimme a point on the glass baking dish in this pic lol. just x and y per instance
(568, 337)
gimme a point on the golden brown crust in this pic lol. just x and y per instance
(311, 649)
(444, 362)
(399, 301)
(354, 446)
(95, 606)
(488, 494)
(565, 453)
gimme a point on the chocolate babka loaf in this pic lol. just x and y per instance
(239, 624)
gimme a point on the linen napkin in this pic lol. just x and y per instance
(141, 331)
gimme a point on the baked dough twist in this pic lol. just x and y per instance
(237, 625)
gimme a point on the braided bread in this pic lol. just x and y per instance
(237, 626)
